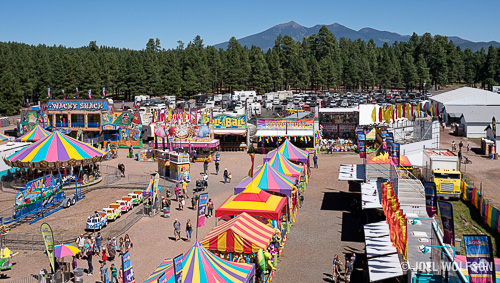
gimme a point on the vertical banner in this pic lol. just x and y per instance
(178, 268)
(103, 92)
(77, 93)
(494, 128)
(479, 255)
(446, 210)
(48, 93)
(395, 154)
(202, 209)
(362, 145)
(90, 94)
(430, 198)
(155, 187)
(252, 157)
(162, 278)
(48, 238)
(390, 138)
(128, 271)
(384, 135)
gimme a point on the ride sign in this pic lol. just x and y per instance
(66, 105)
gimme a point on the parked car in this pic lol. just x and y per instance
(97, 222)
(68, 201)
(136, 198)
(112, 213)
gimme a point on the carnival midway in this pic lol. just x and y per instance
(94, 190)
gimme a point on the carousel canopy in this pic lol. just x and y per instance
(281, 164)
(243, 234)
(34, 135)
(291, 152)
(3, 137)
(56, 150)
(253, 201)
(267, 179)
(200, 265)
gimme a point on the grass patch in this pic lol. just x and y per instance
(471, 214)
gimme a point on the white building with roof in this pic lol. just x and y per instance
(472, 107)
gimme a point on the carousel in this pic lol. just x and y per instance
(57, 154)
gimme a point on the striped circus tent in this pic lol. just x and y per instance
(200, 265)
(253, 201)
(56, 150)
(290, 151)
(269, 180)
(3, 137)
(34, 135)
(242, 234)
(281, 164)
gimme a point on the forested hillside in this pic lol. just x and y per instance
(319, 61)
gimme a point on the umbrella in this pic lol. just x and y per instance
(65, 250)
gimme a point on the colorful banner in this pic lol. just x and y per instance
(494, 127)
(395, 154)
(479, 258)
(290, 124)
(384, 135)
(178, 268)
(390, 138)
(155, 187)
(162, 278)
(362, 145)
(65, 105)
(128, 272)
(252, 158)
(48, 238)
(228, 122)
(370, 136)
(430, 198)
(446, 210)
(202, 209)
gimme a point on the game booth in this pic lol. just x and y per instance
(272, 132)
(232, 132)
(33, 117)
(122, 129)
(187, 138)
(146, 155)
(292, 153)
(60, 155)
(174, 166)
(200, 265)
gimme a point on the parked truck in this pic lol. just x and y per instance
(441, 167)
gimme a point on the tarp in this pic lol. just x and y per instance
(57, 147)
(242, 234)
(291, 152)
(267, 179)
(200, 265)
(34, 135)
(381, 155)
(281, 164)
(253, 201)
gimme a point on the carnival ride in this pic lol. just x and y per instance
(97, 221)
(136, 198)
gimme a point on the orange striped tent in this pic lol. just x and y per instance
(243, 234)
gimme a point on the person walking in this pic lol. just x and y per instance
(103, 272)
(177, 192)
(98, 243)
(210, 205)
(127, 243)
(130, 152)
(89, 255)
(177, 230)
(181, 203)
(189, 230)
(194, 201)
(184, 188)
(226, 174)
(460, 145)
(453, 146)
(348, 270)
(80, 242)
(205, 166)
(114, 273)
(205, 181)
(217, 167)
(315, 159)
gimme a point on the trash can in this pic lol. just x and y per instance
(78, 275)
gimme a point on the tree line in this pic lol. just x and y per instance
(319, 62)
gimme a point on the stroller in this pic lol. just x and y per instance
(199, 185)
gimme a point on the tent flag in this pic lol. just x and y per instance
(430, 198)
(478, 251)
(252, 158)
(202, 209)
(446, 210)
(374, 115)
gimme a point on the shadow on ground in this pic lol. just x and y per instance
(352, 228)
(339, 201)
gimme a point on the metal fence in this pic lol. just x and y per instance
(26, 279)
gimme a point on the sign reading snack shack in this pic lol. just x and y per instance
(297, 124)
(228, 122)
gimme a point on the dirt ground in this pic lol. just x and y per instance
(313, 239)
(482, 169)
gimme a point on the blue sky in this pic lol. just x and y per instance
(129, 24)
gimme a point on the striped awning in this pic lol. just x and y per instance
(243, 234)
(166, 265)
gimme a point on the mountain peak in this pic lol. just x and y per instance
(289, 24)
